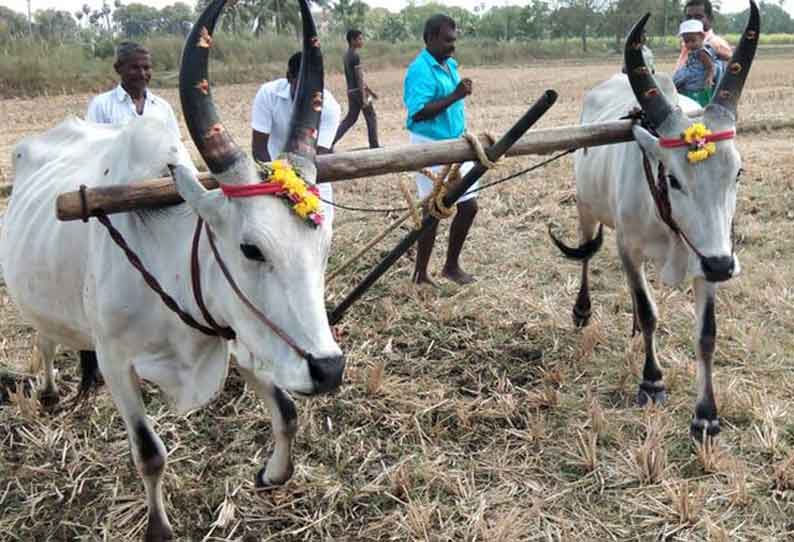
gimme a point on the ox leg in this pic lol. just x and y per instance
(148, 451)
(44, 357)
(582, 307)
(705, 421)
(652, 387)
(284, 417)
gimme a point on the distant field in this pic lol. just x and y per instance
(449, 427)
(33, 68)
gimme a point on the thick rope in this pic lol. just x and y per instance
(433, 204)
(474, 141)
(409, 199)
(136, 262)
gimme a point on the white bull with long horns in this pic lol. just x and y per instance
(670, 197)
(261, 278)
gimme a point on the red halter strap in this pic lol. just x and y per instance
(238, 191)
(675, 142)
(258, 189)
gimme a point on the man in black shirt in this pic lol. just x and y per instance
(359, 95)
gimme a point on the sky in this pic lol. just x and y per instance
(728, 6)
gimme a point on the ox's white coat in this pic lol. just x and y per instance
(76, 287)
(612, 190)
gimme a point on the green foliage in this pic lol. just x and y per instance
(74, 51)
(347, 14)
(137, 20)
(775, 19)
(394, 29)
(12, 24)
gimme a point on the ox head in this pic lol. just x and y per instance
(276, 258)
(702, 192)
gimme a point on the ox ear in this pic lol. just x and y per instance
(206, 203)
(646, 140)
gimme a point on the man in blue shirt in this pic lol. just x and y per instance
(433, 94)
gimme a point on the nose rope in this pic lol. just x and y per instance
(213, 328)
(241, 296)
(661, 198)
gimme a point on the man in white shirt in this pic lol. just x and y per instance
(270, 118)
(132, 97)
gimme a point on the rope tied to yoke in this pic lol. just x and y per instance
(434, 203)
(450, 174)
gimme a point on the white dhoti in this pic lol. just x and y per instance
(424, 186)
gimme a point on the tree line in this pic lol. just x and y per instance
(538, 20)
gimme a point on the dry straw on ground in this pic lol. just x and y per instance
(468, 414)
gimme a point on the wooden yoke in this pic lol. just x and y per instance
(348, 165)
(368, 163)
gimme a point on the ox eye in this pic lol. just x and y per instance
(252, 252)
(674, 184)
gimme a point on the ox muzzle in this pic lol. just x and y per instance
(718, 268)
(326, 373)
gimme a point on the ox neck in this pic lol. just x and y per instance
(163, 241)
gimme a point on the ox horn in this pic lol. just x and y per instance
(305, 121)
(651, 98)
(730, 87)
(216, 146)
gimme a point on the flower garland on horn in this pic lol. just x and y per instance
(700, 141)
(282, 180)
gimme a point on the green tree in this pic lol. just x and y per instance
(55, 25)
(373, 22)
(137, 20)
(578, 18)
(347, 14)
(775, 19)
(175, 18)
(533, 20)
(12, 24)
(395, 28)
(501, 23)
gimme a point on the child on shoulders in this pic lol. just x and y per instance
(697, 78)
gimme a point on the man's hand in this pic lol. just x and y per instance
(463, 89)
(433, 109)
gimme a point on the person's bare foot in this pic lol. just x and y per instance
(458, 276)
(423, 279)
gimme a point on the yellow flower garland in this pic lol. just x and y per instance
(695, 136)
(303, 201)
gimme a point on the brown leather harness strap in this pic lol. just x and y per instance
(259, 314)
(149, 278)
(661, 197)
(195, 277)
(214, 328)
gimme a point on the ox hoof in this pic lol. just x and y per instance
(701, 427)
(263, 481)
(157, 531)
(651, 393)
(581, 317)
(48, 399)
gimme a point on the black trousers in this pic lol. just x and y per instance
(354, 107)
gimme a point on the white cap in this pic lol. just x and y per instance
(691, 26)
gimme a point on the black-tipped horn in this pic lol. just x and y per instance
(208, 133)
(730, 87)
(651, 98)
(305, 121)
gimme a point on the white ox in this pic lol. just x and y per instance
(613, 190)
(77, 288)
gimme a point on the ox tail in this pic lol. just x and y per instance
(90, 377)
(584, 251)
